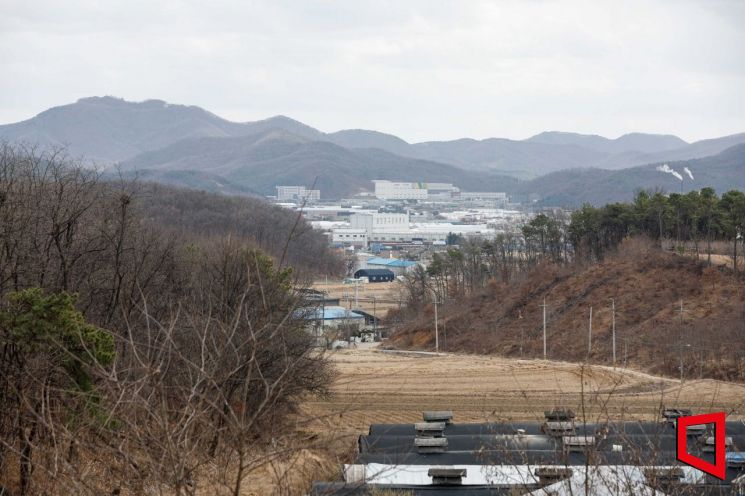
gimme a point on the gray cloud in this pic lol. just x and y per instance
(421, 69)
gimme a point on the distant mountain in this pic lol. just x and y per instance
(191, 179)
(519, 158)
(109, 130)
(699, 149)
(360, 138)
(571, 188)
(262, 161)
(634, 142)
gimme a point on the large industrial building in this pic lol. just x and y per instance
(389, 190)
(560, 456)
(379, 222)
(297, 194)
(349, 237)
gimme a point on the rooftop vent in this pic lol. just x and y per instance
(429, 429)
(708, 443)
(671, 414)
(447, 476)
(559, 415)
(438, 416)
(425, 445)
(354, 474)
(551, 475)
(559, 429)
(577, 443)
(696, 430)
(664, 476)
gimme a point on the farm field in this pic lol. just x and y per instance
(379, 297)
(379, 386)
(375, 386)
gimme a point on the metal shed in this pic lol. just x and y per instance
(375, 275)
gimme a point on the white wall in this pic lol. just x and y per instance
(388, 190)
(379, 222)
(356, 237)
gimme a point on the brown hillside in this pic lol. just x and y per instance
(647, 285)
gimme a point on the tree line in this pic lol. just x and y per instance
(688, 222)
(698, 218)
(147, 335)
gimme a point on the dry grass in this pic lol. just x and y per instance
(389, 294)
(379, 387)
(382, 387)
(647, 285)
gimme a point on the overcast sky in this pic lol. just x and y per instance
(422, 70)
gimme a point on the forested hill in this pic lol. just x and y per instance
(574, 187)
(275, 230)
(261, 161)
(647, 256)
(647, 286)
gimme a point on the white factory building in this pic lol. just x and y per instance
(374, 227)
(349, 237)
(499, 198)
(389, 190)
(379, 222)
(297, 193)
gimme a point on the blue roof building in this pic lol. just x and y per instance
(390, 262)
(329, 313)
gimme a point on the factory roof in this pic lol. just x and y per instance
(390, 262)
(530, 458)
(328, 312)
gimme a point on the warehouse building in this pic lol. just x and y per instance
(559, 456)
(375, 275)
(389, 190)
(398, 267)
(297, 194)
(349, 237)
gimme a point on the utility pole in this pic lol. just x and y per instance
(323, 316)
(375, 318)
(522, 332)
(613, 328)
(681, 340)
(589, 336)
(544, 329)
(437, 333)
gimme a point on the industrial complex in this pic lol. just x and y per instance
(406, 214)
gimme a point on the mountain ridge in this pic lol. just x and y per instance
(182, 144)
(260, 162)
(109, 129)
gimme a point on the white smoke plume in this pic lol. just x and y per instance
(688, 171)
(667, 170)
